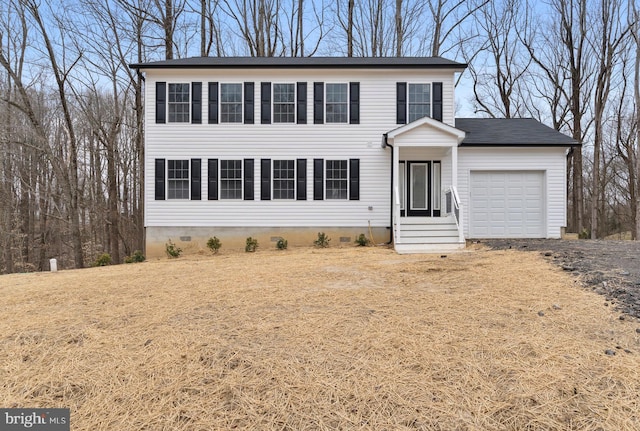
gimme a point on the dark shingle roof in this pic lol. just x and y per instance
(516, 132)
(302, 63)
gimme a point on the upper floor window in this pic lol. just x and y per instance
(419, 101)
(337, 105)
(178, 103)
(231, 179)
(231, 103)
(178, 179)
(284, 107)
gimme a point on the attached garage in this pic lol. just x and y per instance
(507, 204)
(512, 178)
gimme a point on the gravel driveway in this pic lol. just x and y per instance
(611, 268)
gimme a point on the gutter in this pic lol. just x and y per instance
(386, 144)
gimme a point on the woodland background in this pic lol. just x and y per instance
(71, 110)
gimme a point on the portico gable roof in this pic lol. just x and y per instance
(396, 137)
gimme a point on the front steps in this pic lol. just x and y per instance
(428, 235)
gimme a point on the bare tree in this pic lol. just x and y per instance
(560, 53)
(607, 40)
(500, 71)
(257, 23)
(635, 31)
(447, 16)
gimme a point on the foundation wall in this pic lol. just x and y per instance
(194, 239)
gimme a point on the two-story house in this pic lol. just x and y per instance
(289, 147)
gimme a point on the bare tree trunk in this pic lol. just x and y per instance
(611, 36)
(203, 28)
(399, 31)
(350, 29)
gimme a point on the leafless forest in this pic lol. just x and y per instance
(71, 124)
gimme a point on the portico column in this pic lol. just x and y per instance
(454, 166)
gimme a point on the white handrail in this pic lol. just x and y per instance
(455, 207)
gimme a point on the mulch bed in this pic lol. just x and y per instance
(610, 268)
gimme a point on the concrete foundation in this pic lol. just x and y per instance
(194, 239)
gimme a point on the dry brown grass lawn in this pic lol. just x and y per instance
(353, 338)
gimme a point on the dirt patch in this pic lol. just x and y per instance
(353, 338)
(611, 268)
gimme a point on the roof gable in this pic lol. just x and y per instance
(427, 123)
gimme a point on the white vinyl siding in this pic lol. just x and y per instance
(285, 141)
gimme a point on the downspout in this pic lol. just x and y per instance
(386, 144)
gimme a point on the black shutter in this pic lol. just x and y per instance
(318, 102)
(161, 99)
(265, 103)
(196, 102)
(401, 103)
(354, 103)
(301, 106)
(212, 179)
(248, 102)
(354, 179)
(437, 101)
(265, 179)
(301, 179)
(248, 179)
(159, 179)
(318, 179)
(196, 179)
(213, 103)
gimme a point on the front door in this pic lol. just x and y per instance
(422, 192)
(419, 189)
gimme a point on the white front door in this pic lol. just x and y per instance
(419, 188)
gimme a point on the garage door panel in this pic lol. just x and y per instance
(507, 204)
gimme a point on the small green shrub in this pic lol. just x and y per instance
(322, 241)
(172, 250)
(251, 245)
(282, 244)
(362, 240)
(136, 257)
(214, 244)
(103, 260)
(584, 234)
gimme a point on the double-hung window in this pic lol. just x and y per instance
(231, 179)
(231, 103)
(178, 179)
(178, 103)
(419, 101)
(337, 106)
(284, 179)
(337, 179)
(284, 106)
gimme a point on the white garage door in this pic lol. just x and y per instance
(507, 204)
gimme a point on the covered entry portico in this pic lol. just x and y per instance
(427, 215)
